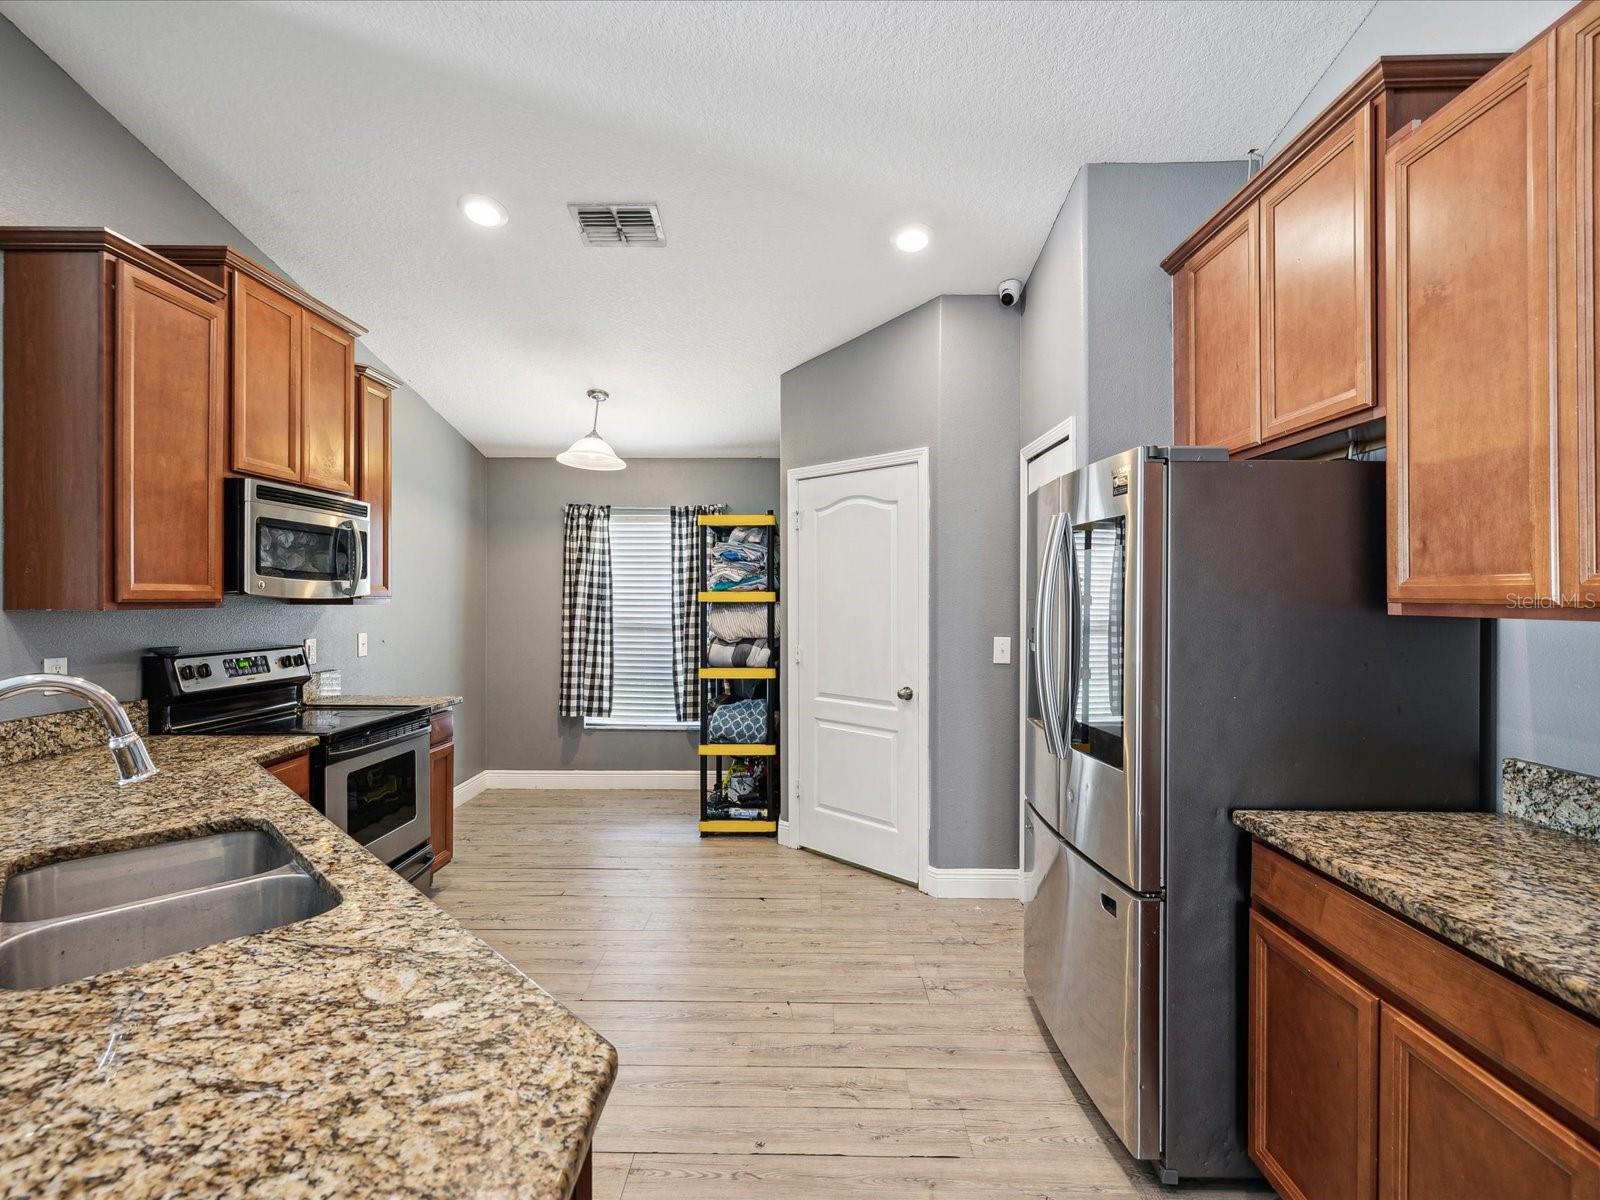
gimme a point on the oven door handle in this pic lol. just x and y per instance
(401, 736)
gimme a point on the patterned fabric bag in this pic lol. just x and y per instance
(741, 721)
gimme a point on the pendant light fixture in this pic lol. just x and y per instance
(591, 452)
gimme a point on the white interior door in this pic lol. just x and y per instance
(859, 590)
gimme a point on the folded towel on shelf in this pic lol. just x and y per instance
(736, 577)
(729, 552)
(747, 652)
(748, 535)
(736, 622)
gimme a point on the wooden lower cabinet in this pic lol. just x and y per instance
(1450, 1129)
(442, 787)
(1313, 1071)
(1386, 1063)
(295, 774)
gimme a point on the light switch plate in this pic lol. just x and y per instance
(55, 666)
(361, 645)
(1002, 650)
(311, 652)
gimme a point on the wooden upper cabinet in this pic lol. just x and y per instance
(327, 368)
(1276, 299)
(1318, 284)
(375, 466)
(1578, 264)
(167, 415)
(114, 397)
(1217, 291)
(1468, 301)
(292, 391)
(1313, 1071)
(1450, 1129)
(267, 381)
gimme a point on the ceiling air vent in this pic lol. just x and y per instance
(618, 224)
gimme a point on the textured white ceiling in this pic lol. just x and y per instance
(784, 143)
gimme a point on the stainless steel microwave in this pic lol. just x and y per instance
(292, 543)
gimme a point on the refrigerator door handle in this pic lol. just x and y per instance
(1069, 650)
(1045, 637)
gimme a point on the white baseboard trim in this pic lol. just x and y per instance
(972, 883)
(471, 788)
(653, 781)
(786, 835)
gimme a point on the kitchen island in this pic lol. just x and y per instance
(378, 1049)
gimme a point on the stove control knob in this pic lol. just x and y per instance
(186, 672)
(299, 660)
(286, 661)
(203, 670)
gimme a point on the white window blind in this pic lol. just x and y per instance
(641, 621)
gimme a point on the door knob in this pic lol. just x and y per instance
(904, 693)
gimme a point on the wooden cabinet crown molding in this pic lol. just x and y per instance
(368, 371)
(20, 238)
(223, 258)
(1394, 73)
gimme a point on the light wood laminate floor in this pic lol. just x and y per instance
(788, 1027)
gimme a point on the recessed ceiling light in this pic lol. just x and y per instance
(912, 239)
(481, 210)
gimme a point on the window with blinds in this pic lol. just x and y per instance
(641, 622)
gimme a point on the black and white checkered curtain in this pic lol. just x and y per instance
(586, 612)
(685, 608)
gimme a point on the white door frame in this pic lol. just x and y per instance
(1066, 431)
(789, 828)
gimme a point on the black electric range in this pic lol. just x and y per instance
(369, 769)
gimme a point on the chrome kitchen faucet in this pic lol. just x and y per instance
(126, 746)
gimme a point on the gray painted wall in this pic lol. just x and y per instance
(1423, 27)
(1545, 689)
(1097, 317)
(944, 376)
(68, 162)
(526, 499)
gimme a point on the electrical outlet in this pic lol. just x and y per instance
(361, 645)
(55, 666)
(311, 652)
(1002, 650)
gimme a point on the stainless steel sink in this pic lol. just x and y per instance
(76, 918)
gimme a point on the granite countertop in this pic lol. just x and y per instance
(376, 1050)
(1522, 896)
(433, 704)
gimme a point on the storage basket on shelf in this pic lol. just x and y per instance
(739, 678)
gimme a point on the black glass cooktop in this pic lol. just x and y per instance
(331, 721)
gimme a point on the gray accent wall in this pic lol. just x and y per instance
(66, 161)
(944, 376)
(1097, 313)
(527, 498)
(1544, 691)
(1422, 27)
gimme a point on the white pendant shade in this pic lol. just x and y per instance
(591, 453)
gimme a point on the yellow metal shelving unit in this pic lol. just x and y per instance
(714, 754)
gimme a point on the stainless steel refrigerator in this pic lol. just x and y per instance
(1204, 636)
